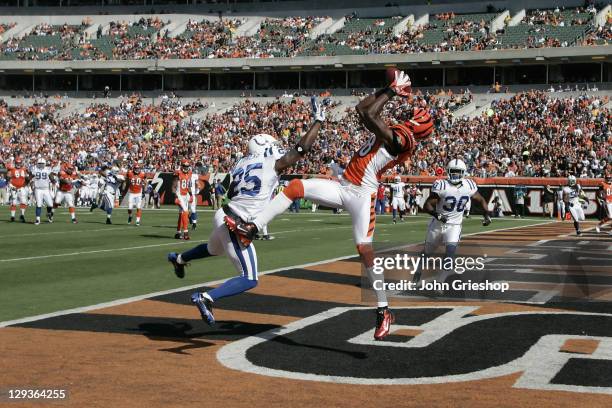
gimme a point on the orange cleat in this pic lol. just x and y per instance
(384, 319)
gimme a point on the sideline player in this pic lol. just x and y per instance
(573, 196)
(42, 178)
(356, 189)
(398, 202)
(18, 192)
(604, 196)
(413, 194)
(446, 204)
(195, 189)
(560, 203)
(184, 197)
(253, 181)
(65, 193)
(135, 179)
(112, 181)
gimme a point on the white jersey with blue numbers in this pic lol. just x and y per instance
(573, 193)
(453, 198)
(253, 182)
(111, 183)
(398, 190)
(41, 178)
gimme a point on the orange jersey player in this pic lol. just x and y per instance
(136, 182)
(67, 177)
(356, 190)
(604, 196)
(184, 196)
(18, 180)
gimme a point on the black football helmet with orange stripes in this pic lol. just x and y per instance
(419, 126)
(421, 123)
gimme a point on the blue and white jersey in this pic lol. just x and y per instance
(398, 190)
(253, 182)
(41, 178)
(573, 193)
(112, 183)
(453, 198)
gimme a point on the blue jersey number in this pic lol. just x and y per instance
(451, 203)
(242, 177)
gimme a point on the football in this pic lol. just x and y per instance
(391, 74)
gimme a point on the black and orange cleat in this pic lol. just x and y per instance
(186, 236)
(384, 319)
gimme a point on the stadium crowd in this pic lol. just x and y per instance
(291, 36)
(529, 134)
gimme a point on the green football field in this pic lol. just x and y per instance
(59, 266)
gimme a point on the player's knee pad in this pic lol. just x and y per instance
(294, 190)
(366, 252)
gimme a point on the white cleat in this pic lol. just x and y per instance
(597, 229)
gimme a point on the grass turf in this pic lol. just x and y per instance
(58, 266)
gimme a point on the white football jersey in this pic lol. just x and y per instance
(573, 192)
(398, 189)
(453, 198)
(195, 188)
(41, 177)
(253, 182)
(111, 183)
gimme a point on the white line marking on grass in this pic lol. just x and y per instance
(96, 251)
(69, 232)
(29, 258)
(118, 302)
(155, 294)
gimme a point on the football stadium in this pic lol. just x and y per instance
(290, 203)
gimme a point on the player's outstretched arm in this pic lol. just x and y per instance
(305, 144)
(369, 112)
(369, 108)
(485, 206)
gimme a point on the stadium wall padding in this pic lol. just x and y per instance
(489, 188)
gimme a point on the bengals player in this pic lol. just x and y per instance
(356, 190)
(136, 180)
(67, 177)
(604, 196)
(184, 197)
(18, 192)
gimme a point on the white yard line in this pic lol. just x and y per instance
(96, 251)
(75, 231)
(153, 294)
(118, 302)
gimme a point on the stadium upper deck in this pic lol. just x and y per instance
(172, 36)
(443, 44)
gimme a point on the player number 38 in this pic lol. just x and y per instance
(36, 394)
(451, 203)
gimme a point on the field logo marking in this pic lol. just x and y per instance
(448, 337)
